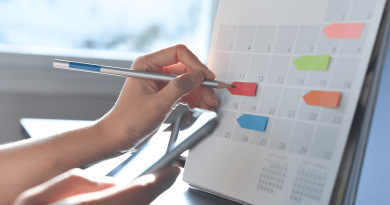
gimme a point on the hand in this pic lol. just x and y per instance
(73, 187)
(144, 104)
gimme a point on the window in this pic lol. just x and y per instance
(110, 29)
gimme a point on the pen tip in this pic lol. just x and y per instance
(234, 86)
(224, 85)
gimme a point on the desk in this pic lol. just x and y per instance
(179, 193)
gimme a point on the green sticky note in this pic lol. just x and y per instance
(320, 62)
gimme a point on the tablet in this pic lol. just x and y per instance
(154, 155)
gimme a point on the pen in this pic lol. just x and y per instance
(109, 70)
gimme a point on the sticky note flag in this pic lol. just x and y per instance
(253, 122)
(243, 88)
(320, 62)
(344, 30)
(322, 98)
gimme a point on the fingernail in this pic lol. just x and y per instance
(215, 99)
(216, 102)
(214, 75)
(196, 77)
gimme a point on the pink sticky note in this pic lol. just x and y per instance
(243, 88)
(344, 30)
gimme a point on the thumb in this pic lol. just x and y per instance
(180, 87)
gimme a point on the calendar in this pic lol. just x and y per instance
(308, 60)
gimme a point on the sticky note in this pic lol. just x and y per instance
(323, 98)
(320, 62)
(253, 122)
(243, 88)
(344, 30)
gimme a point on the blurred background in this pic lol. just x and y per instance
(108, 32)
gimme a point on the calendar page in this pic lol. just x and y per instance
(299, 67)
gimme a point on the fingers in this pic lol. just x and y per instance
(141, 191)
(144, 189)
(209, 96)
(152, 185)
(190, 101)
(178, 88)
(155, 62)
(178, 60)
(202, 104)
(64, 185)
(176, 69)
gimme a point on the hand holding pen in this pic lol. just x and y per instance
(149, 102)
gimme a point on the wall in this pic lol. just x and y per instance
(31, 87)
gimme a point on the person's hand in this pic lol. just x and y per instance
(73, 187)
(144, 104)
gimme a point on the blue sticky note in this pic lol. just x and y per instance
(253, 122)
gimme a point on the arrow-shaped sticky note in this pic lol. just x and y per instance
(243, 88)
(253, 122)
(323, 98)
(320, 62)
(344, 30)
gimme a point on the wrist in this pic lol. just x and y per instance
(114, 134)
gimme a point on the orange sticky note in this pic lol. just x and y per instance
(344, 30)
(323, 98)
(243, 88)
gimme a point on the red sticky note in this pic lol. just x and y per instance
(323, 98)
(243, 88)
(344, 30)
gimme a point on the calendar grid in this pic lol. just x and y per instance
(305, 87)
(228, 73)
(276, 116)
(281, 98)
(263, 83)
(290, 67)
(330, 80)
(237, 49)
(285, 118)
(308, 87)
(292, 54)
(291, 134)
(247, 73)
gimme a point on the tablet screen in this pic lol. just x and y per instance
(156, 149)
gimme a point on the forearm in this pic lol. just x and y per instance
(27, 163)
(141, 108)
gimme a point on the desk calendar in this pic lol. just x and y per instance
(309, 59)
